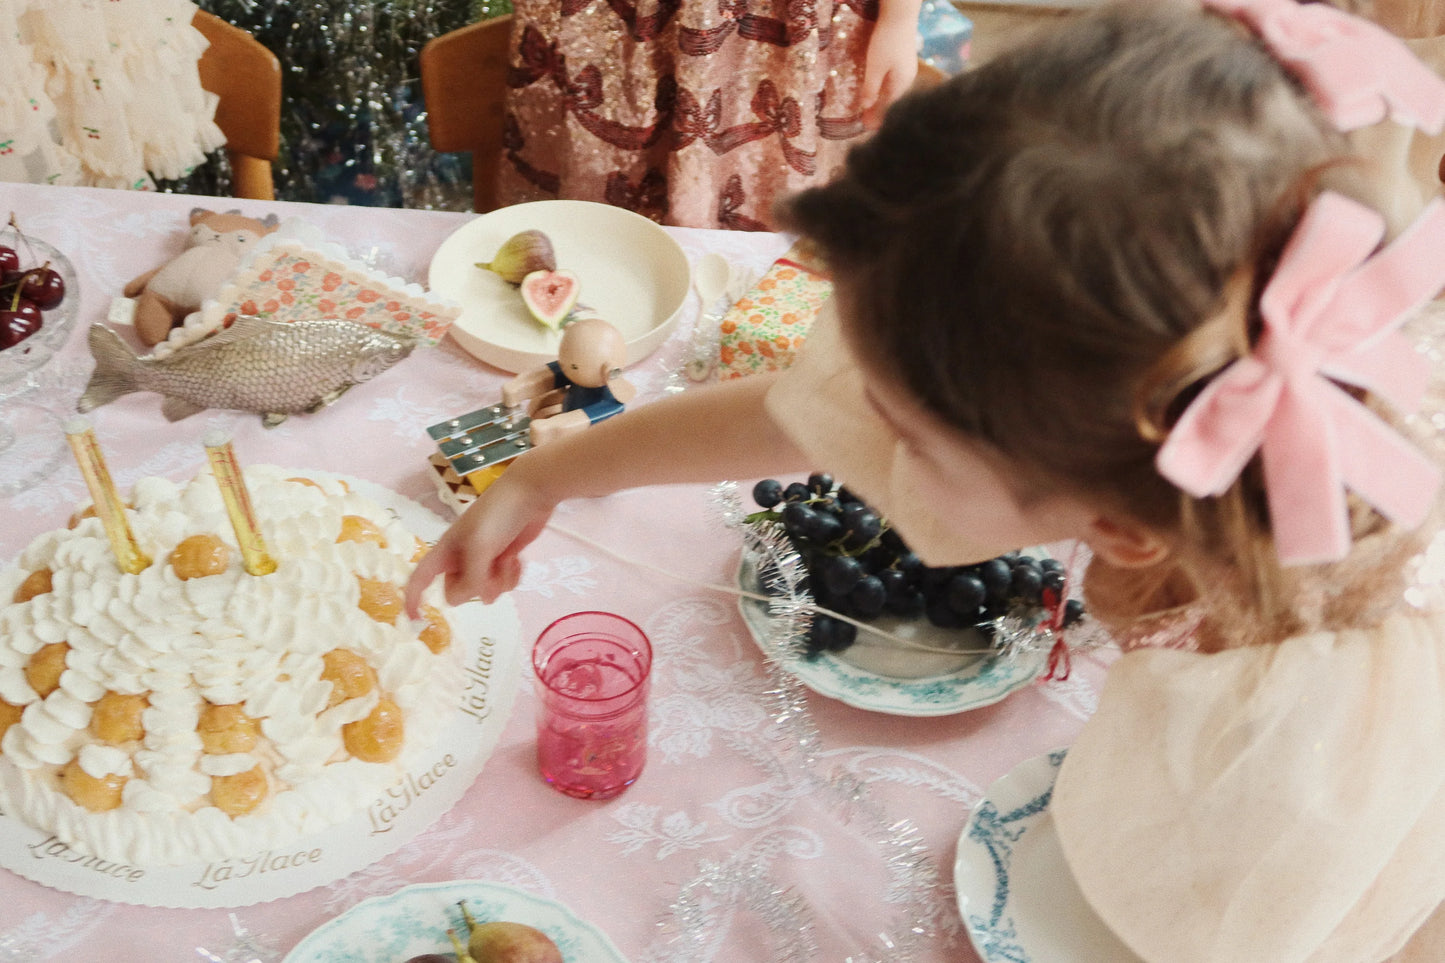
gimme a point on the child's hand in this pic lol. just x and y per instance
(479, 556)
(891, 63)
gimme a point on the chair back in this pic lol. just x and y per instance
(464, 87)
(247, 79)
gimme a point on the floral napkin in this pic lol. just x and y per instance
(294, 274)
(764, 328)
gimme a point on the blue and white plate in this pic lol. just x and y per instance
(414, 920)
(1015, 892)
(896, 681)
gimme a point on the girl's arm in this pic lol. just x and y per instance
(891, 62)
(706, 434)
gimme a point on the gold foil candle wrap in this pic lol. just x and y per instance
(238, 504)
(108, 506)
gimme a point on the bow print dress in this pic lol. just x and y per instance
(695, 113)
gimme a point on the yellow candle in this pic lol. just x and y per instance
(108, 506)
(238, 504)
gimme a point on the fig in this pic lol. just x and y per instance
(520, 255)
(432, 958)
(506, 942)
(550, 295)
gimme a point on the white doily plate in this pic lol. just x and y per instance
(490, 641)
(969, 683)
(414, 920)
(1016, 895)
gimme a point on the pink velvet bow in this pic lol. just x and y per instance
(1356, 71)
(1330, 315)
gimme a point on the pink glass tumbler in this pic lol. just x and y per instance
(592, 678)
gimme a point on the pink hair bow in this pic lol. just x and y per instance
(1356, 71)
(1330, 315)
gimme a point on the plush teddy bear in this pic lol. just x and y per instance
(167, 294)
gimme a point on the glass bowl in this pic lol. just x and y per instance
(19, 363)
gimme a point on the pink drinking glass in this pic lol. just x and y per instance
(592, 673)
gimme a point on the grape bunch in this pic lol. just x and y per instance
(859, 566)
(26, 293)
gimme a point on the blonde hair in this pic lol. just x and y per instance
(1054, 252)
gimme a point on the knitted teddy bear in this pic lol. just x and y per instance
(166, 295)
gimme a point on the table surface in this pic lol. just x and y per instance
(793, 845)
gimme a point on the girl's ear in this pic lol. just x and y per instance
(1124, 542)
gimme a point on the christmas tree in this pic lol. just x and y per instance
(353, 125)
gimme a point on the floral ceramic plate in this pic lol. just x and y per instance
(414, 920)
(1015, 892)
(893, 682)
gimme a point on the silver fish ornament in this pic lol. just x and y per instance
(273, 368)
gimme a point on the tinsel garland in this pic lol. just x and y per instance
(353, 123)
(794, 755)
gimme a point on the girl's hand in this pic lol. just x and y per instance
(479, 556)
(891, 63)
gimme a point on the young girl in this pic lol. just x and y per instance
(1129, 284)
(697, 113)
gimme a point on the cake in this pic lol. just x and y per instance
(194, 712)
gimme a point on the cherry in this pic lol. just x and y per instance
(9, 260)
(44, 287)
(17, 325)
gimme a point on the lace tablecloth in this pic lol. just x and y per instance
(766, 826)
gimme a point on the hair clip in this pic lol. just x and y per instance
(1357, 72)
(1330, 316)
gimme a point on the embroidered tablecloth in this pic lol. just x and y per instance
(765, 826)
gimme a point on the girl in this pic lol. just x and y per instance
(1109, 287)
(697, 113)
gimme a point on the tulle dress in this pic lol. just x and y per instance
(696, 113)
(102, 93)
(1281, 801)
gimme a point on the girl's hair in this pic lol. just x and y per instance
(1054, 252)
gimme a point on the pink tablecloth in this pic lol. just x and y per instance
(730, 807)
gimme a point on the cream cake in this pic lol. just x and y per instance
(194, 712)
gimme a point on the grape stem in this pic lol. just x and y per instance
(759, 597)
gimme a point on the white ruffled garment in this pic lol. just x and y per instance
(102, 93)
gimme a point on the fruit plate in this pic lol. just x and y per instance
(631, 273)
(489, 639)
(32, 353)
(414, 920)
(1016, 895)
(878, 684)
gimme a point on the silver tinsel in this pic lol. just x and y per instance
(353, 123)
(793, 756)
(246, 947)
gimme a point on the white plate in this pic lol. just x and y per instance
(969, 681)
(414, 920)
(1015, 892)
(490, 637)
(631, 273)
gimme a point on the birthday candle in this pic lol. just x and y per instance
(238, 504)
(108, 506)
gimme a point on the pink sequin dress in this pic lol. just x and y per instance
(696, 113)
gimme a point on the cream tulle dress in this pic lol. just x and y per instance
(1273, 803)
(102, 93)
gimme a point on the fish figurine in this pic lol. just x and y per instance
(274, 368)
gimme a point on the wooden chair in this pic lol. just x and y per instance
(247, 78)
(464, 86)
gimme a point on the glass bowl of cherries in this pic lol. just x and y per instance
(39, 302)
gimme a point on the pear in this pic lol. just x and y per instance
(520, 255)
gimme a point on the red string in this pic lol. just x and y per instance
(1060, 661)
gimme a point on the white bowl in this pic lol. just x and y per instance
(631, 273)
